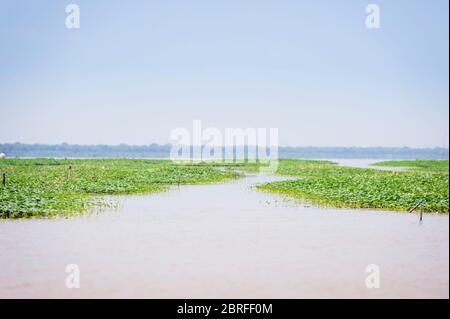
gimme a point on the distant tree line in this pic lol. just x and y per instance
(163, 151)
(364, 152)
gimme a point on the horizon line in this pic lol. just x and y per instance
(240, 145)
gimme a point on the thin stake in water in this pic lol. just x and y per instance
(420, 203)
(421, 212)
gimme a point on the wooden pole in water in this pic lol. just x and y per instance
(420, 203)
(421, 212)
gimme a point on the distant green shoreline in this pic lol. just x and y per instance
(423, 165)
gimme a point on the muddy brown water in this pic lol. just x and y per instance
(225, 241)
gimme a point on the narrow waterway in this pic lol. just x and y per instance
(225, 241)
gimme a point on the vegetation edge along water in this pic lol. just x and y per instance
(325, 184)
(424, 165)
(55, 187)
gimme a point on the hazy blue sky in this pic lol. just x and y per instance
(138, 69)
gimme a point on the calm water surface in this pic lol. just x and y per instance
(365, 163)
(227, 240)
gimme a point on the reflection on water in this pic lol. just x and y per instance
(227, 240)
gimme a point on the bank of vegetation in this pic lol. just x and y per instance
(328, 185)
(62, 187)
(50, 187)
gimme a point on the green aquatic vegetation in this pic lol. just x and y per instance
(325, 184)
(425, 165)
(49, 187)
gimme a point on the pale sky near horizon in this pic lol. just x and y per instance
(136, 70)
